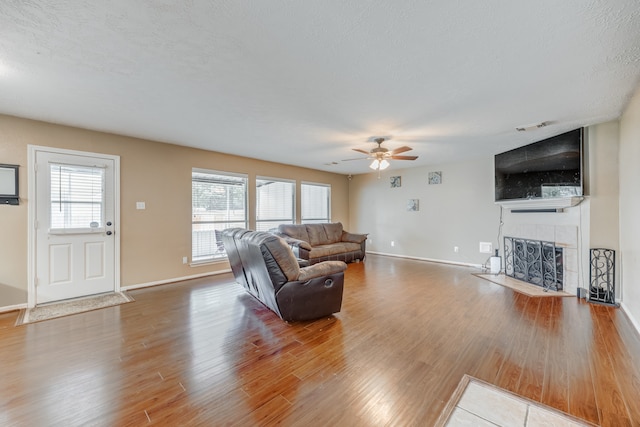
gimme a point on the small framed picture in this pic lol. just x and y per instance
(9, 190)
(435, 177)
(413, 205)
(396, 181)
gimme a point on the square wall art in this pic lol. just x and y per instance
(396, 181)
(413, 205)
(435, 177)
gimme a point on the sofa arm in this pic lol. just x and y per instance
(325, 268)
(352, 237)
(295, 242)
(311, 299)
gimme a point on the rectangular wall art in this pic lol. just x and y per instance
(435, 177)
(413, 205)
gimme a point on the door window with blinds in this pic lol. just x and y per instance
(315, 203)
(219, 201)
(77, 198)
(275, 203)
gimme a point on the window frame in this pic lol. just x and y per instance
(276, 221)
(76, 197)
(304, 220)
(222, 255)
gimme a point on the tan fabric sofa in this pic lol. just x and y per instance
(323, 242)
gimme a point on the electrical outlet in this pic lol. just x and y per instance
(185, 260)
(456, 249)
(393, 243)
(485, 248)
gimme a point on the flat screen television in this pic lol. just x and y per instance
(550, 168)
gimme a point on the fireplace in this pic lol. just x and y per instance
(537, 262)
(555, 231)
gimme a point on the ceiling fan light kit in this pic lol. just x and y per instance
(379, 164)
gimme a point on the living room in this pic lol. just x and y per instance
(450, 220)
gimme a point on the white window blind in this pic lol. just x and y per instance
(275, 203)
(219, 201)
(316, 203)
(77, 196)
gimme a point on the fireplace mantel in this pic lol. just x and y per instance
(541, 204)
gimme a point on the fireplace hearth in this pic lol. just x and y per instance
(534, 261)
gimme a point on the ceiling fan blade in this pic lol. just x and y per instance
(404, 157)
(359, 158)
(360, 151)
(401, 150)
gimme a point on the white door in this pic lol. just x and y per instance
(74, 225)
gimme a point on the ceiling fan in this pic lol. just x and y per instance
(382, 155)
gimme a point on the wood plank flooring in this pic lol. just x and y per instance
(203, 352)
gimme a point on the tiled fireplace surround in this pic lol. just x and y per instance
(565, 237)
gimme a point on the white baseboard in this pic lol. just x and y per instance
(633, 320)
(441, 261)
(13, 307)
(177, 279)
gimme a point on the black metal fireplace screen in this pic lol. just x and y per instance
(534, 261)
(602, 276)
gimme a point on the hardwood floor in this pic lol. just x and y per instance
(203, 352)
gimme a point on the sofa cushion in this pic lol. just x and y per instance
(333, 231)
(296, 231)
(317, 235)
(333, 249)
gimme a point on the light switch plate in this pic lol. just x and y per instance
(140, 205)
(485, 247)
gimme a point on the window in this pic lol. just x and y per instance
(219, 201)
(275, 203)
(77, 196)
(316, 203)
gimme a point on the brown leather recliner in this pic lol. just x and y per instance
(265, 265)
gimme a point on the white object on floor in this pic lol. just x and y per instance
(496, 264)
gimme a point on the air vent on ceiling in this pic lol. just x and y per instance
(532, 127)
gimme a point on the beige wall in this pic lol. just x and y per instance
(630, 208)
(603, 184)
(604, 192)
(154, 240)
(459, 212)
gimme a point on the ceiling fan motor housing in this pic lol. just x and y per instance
(379, 149)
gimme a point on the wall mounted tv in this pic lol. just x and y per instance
(550, 168)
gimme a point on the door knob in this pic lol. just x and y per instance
(108, 223)
(109, 233)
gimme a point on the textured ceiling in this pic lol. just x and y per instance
(304, 82)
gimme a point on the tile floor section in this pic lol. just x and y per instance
(482, 404)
